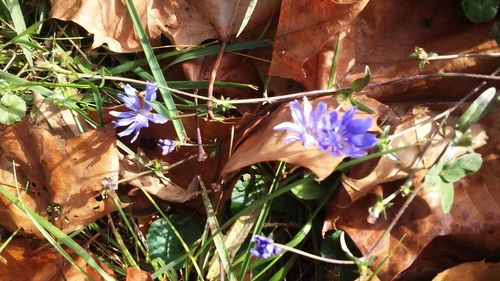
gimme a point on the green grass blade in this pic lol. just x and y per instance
(157, 73)
(213, 50)
(215, 229)
(262, 217)
(17, 17)
(7, 241)
(248, 15)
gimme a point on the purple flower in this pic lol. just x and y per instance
(265, 247)
(140, 112)
(167, 146)
(346, 136)
(305, 123)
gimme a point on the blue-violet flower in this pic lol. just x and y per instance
(264, 248)
(167, 146)
(140, 112)
(346, 135)
(305, 124)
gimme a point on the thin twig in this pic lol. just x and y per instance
(446, 112)
(315, 93)
(212, 79)
(315, 257)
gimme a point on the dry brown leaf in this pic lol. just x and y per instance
(22, 260)
(110, 22)
(475, 214)
(135, 274)
(383, 36)
(388, 170)
(184, 22)
(161, 188)
(66, 174)
(472, 271)
(262, 143)
(304, 28)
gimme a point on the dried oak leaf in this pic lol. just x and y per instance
(382, 36)
(388, 169)
(110, 22)
(471, 271)
(304, 28)
(262, 143)
(65, 175)
(161, 188)
(136, 274)
(475, 214)
(22, 260)
(184, 22)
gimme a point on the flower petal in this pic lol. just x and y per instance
(123, 114)
(131, 102)
(129, 90)
(151, 88)
(289, 126)
(157, 118)
(359, 126)
(348, 115)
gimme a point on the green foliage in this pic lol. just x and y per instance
(476, 110)
(480, 10)
(163, 243)
(309, 190)
(461, 167)
(12, 109)
(246, 191)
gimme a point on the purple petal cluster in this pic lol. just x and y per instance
(345, 136)
(305, 124)
(264, 247)
(167, 146)
(140, 112)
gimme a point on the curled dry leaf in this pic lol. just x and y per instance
(161, 188)
(304, 28)
(65, 171)
(471, 271)
(382, 36)
(475, 214)
(110, 22)
(184, 22)
(22, 260)
(262, 143)
(136, 274)
(410, 159)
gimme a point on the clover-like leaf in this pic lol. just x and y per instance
(163, 242)
(12, 109)
(480, 10)
(457, 169)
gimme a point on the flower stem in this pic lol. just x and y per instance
(309, 255)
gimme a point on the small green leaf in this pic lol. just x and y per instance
(163, 243)
(447, 193)
(309, 190)
(159, 107)
(475, 110)
(432, 178)
(359, 84)
(246, 191)
(12, 109)
(461, 167)
(480, 10)
(361, 106)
